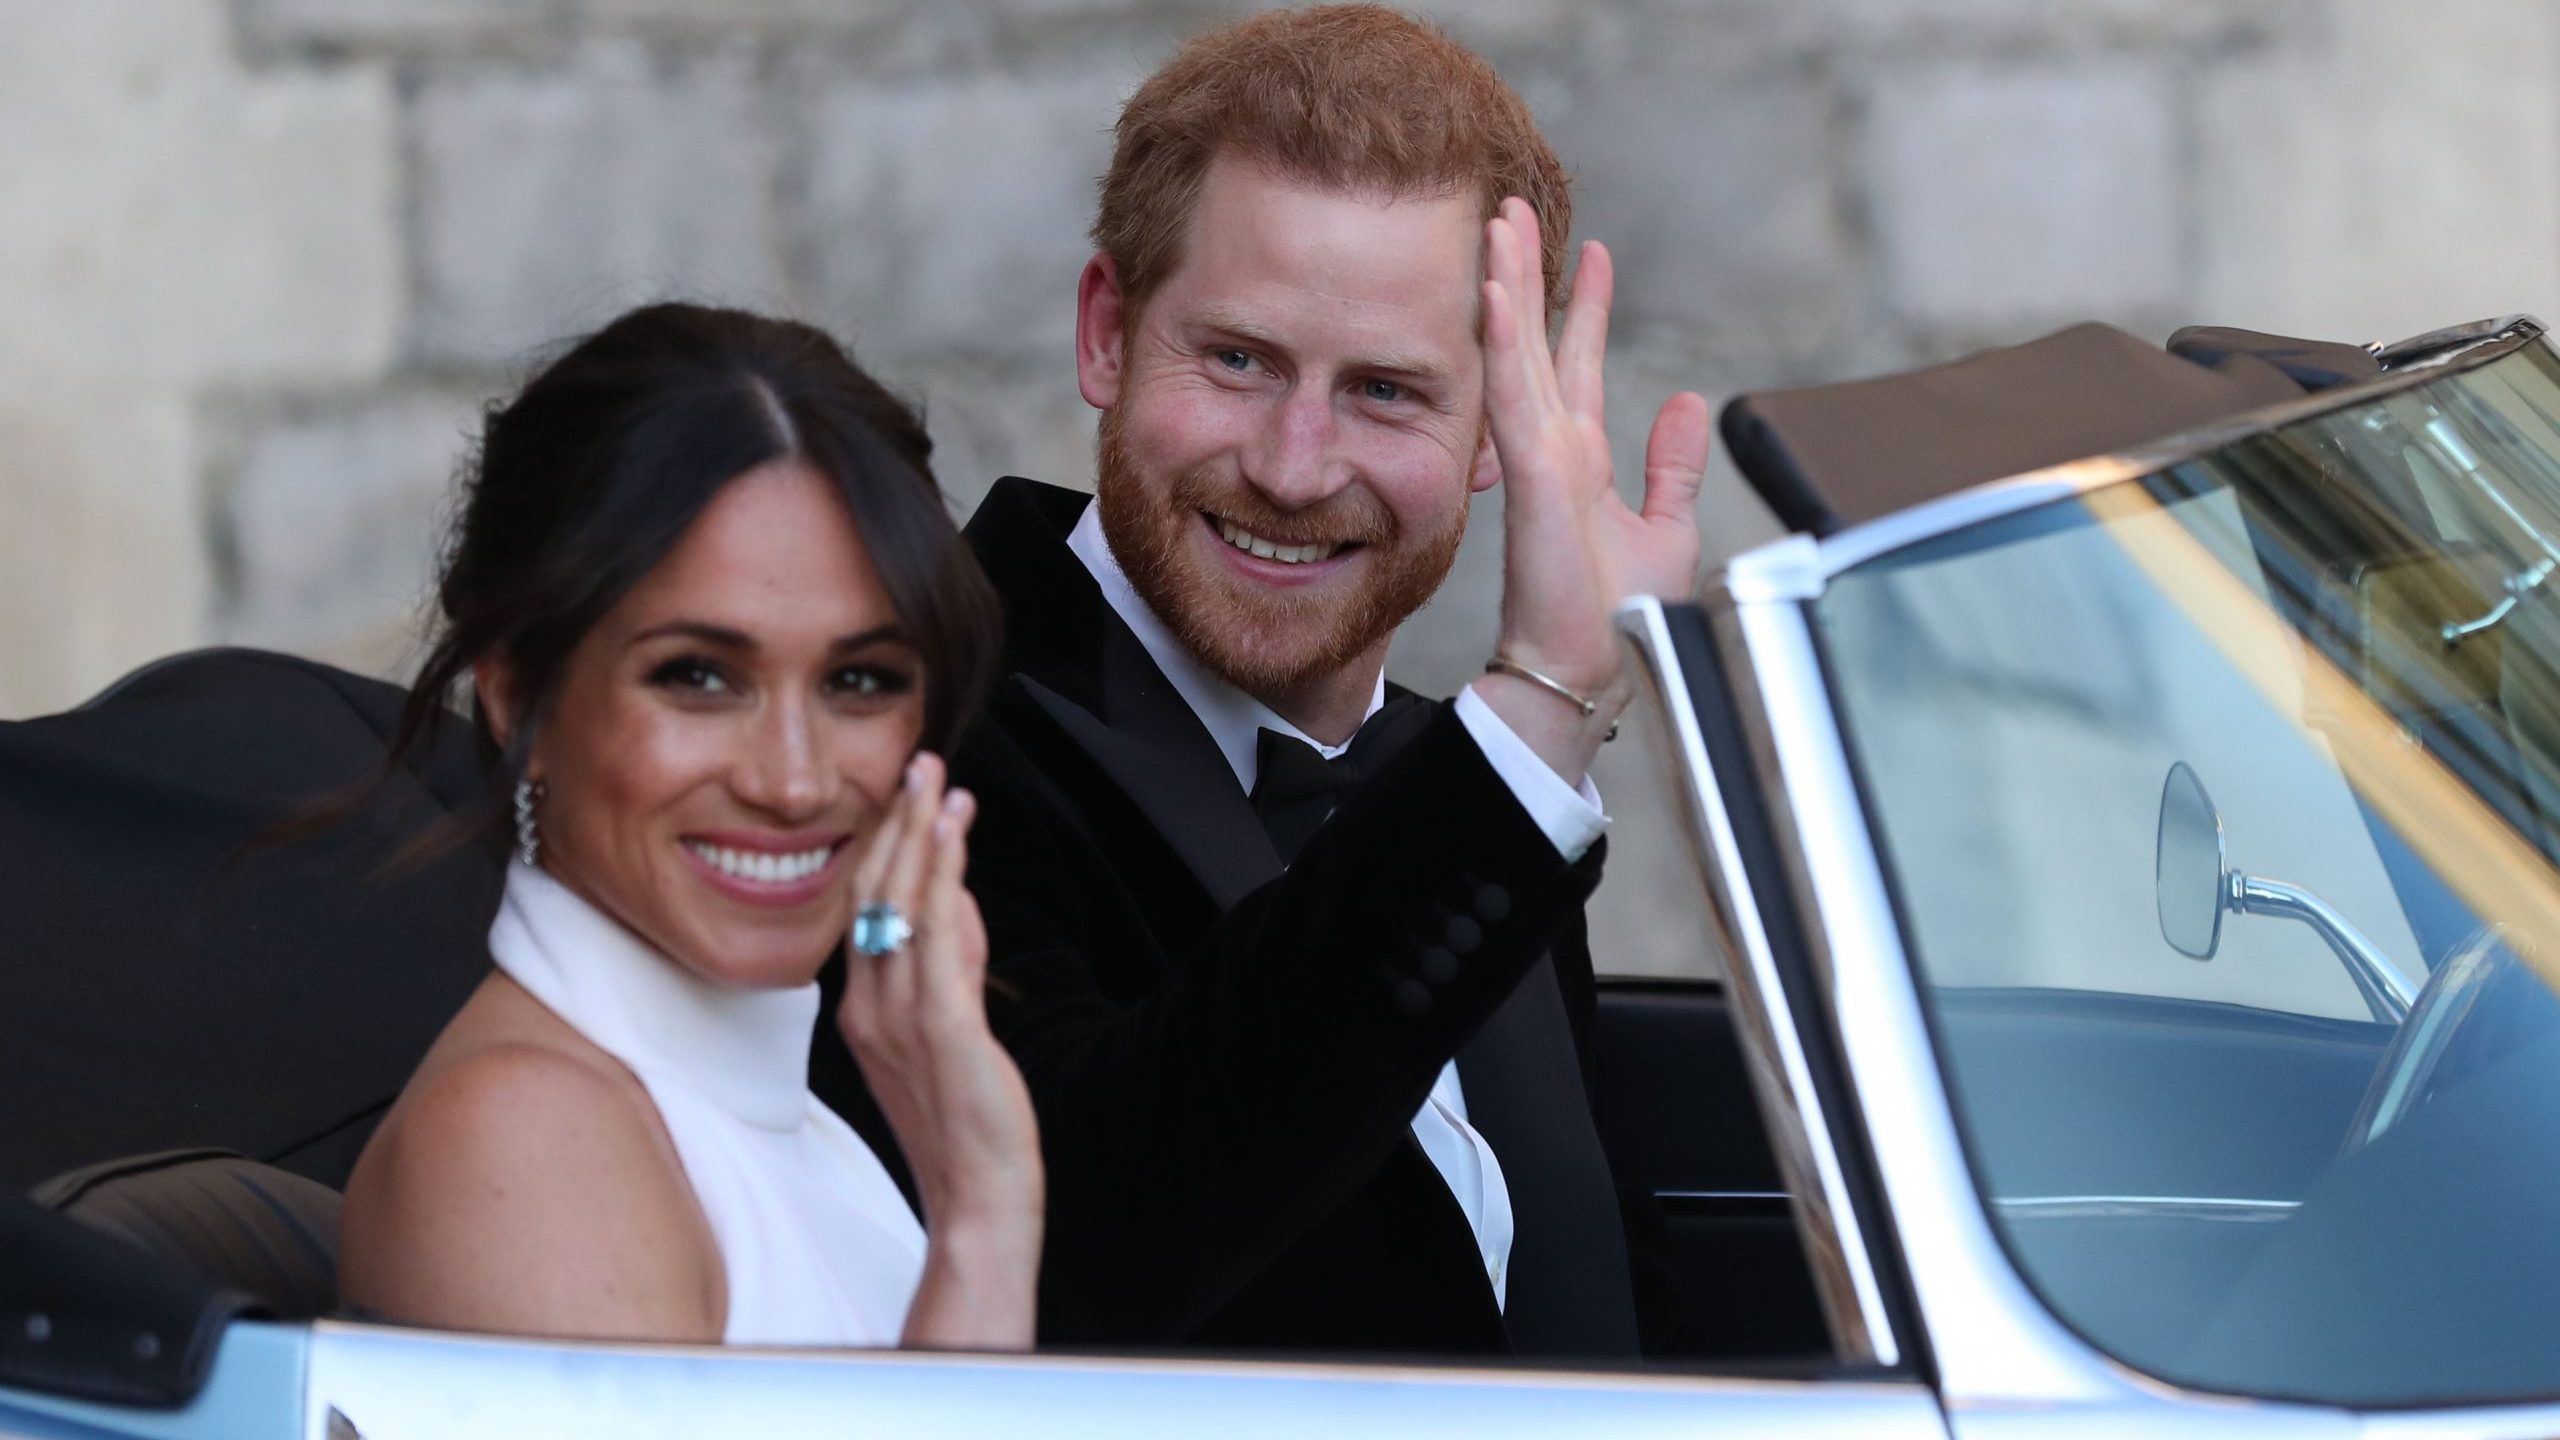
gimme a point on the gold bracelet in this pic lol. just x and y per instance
(1504, 665)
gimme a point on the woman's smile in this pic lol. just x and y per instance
(762, 868)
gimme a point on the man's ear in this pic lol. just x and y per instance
(1488, 467)
(493, 682)
(1101, 332)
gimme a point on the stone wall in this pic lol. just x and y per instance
(261, 260)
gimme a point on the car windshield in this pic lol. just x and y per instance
(2220, 808)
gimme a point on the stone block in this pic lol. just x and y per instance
(2021, 196)
(994, 419)
(1722, 206)
(549, 201)
(1949, 27)
(2400, 175)
(952, 213)
(177, 221)
(695, 15)
(1507, 29)
(391, 24)
(334, 522)
(102, 563)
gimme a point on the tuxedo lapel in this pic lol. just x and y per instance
(1080, 665)
(1179, 781)
(1569, 1291)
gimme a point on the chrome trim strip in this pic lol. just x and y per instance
(1787, 568)
(391, 1383)
(1773, 1050)
(2437, 346)
(1990, 1337)
(2188, 1207)
(1947, 514)
(2484, 1422)
(1753, 574)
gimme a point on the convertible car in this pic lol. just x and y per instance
(2124, 811)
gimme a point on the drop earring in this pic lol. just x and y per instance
(529, 793)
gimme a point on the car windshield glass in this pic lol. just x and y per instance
(2220, 809)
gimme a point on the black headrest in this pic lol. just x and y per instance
(1829, 456)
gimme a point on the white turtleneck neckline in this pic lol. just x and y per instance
(746, 1050)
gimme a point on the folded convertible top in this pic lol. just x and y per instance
(1828, 456)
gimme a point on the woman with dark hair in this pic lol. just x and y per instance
(719, 627)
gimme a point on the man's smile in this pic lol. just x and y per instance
(1305, 553)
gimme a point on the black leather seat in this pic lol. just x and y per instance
(267, 1233)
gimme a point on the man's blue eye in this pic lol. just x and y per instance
(1235, 360)
(1385, 392)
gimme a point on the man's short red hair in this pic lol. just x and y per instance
(1350, 97)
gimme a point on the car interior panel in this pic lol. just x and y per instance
(1678, 1120)
(2256, 1097)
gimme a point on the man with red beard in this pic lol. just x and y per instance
(1293, 961)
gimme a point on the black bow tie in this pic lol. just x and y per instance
(1295, 788)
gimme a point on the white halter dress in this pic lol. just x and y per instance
(819, 1246)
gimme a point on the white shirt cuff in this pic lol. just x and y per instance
(1571, 817)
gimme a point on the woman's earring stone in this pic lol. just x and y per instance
(529, 793)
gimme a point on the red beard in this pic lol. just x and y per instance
(1264, 640)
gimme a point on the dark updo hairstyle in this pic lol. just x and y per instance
(591, 475)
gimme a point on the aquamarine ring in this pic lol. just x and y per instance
(878, 929)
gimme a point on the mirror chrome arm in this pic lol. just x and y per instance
(2385, 991)
(2517, 587)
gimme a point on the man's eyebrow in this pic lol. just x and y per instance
(1412, 365)
(725, 638)
(1234, 325)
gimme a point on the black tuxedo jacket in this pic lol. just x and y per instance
(1226, 1058)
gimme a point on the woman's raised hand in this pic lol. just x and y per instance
(916, 1021)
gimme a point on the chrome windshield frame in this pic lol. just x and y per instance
(1793, 1115)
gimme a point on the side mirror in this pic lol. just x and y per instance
(2196, 884)
(2190, 871)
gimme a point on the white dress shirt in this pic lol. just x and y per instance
(1569, 816)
